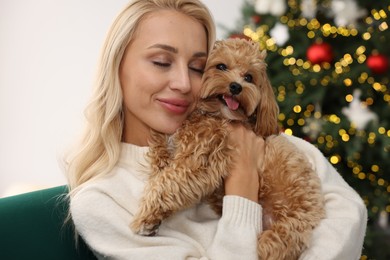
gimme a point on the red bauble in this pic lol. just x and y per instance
(256, 19)
(378, 63)
(320, 52)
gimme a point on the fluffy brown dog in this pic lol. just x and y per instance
(190, 165)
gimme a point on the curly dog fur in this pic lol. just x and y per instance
(189, 166)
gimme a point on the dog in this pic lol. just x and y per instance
(189, 166)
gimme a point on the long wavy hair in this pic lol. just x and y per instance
(99, 147)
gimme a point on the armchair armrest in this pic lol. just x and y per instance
(32, 227)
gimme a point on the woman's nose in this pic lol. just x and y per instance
(181, 80)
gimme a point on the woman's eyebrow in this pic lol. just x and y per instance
(200, 54)
(175, 50)
(164, 47)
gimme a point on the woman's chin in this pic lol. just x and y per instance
(167, 124)
(168, 128)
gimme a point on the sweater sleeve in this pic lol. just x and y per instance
(341, 233)
(104, 226)
(237, 231)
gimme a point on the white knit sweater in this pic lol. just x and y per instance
(103, 209)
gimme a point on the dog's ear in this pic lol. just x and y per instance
(263, 55)
(217, 44)
(267, 111)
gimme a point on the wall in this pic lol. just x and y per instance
(48, 54)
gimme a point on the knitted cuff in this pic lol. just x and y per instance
(240, 211)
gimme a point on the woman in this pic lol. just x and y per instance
(149, 76)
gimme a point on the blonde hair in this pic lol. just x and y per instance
(99, 147)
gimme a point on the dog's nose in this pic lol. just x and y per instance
(235, 88)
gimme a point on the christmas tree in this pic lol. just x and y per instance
(328, 61)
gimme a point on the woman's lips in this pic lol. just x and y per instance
(175, 106)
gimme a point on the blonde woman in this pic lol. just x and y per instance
(149, 76)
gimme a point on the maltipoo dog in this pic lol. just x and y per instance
(189, 166)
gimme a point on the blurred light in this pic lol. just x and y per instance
(362, 175)
(301, 121)
(375, 168)
(342, 131)
(360, 50)
(297, 109)
(334, 159)
(383, 26)
(383, 14)
(347, 82)
(281, 117)
(316, 68)
(288, 131)
(345, 137)
(366, 36)
(311, 34)
(334, 119)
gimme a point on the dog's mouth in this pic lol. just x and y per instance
(230, 106)
(230, 101)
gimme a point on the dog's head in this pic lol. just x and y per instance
(236, 86)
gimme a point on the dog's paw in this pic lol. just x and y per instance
(144, 228)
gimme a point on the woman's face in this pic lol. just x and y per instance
(161, 73)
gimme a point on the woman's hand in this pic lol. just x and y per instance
(243, 179)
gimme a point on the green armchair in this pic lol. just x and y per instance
(32, 227)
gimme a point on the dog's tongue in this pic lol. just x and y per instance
(231, 102)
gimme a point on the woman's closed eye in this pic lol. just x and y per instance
(197, 70)
(197, 65)
(168, 64)
(162, 64)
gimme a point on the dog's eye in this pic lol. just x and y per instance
(221, 66)
(248, 78)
